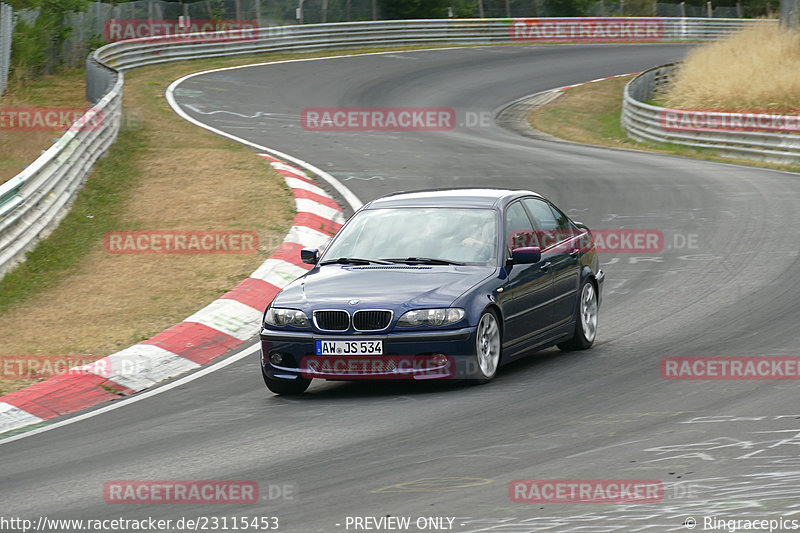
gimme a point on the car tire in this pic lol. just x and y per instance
(488, 347)
(285, 386)
(585, 319)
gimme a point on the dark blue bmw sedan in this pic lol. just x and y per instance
(435, 285)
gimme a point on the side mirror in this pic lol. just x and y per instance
(527, 255)
(310, 256)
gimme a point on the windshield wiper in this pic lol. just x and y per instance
(353, 261)
(424, 261)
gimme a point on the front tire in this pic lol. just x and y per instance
(585, 320)
(285, 386)
(488, 344)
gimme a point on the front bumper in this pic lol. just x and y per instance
(420, 355)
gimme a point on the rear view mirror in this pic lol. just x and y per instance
(527, 255)
(310, 256)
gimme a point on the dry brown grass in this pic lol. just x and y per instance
(758, 68)
(19, 148)
(189, 179)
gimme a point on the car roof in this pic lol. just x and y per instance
(485, 198)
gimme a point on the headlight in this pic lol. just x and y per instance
(431, 317)
(286, 317)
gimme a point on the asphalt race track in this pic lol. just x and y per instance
(724, 284)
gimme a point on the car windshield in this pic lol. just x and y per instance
(431, 235)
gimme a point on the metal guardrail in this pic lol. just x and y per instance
(33, 202)
(6, 32)
(756, 135)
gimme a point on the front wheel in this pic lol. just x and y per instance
(286, 386)
(585, 320)
(487, 348)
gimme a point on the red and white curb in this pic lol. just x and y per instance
(221, 326)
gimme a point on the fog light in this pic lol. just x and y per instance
(276, 358)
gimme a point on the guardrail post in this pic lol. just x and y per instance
(789, 13)
(6, 33)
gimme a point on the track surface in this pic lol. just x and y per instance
(449, 450)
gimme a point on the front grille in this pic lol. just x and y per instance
(332, 320)
(371, 320)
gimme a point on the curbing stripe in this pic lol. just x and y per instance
(279, 273)
(288, 252)
(230, 317)
(12, 417)
(210, 332)
(310, 206)
(140, 366)
(297, 183)
(309, 238)
(317, 222)
(302, 194)
(253, 292)
(195, 342)
(65, 393)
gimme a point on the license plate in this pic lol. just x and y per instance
(350, 347)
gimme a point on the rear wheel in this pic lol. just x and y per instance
(585, 320)
(286, 386)
(487, 347)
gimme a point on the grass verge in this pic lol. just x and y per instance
(590, 114)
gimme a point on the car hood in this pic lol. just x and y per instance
(376, 285)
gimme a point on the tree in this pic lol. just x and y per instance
(414, 9)
(36, 47)
(568, 8)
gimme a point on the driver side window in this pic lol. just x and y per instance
(552, 226)
(519, 230)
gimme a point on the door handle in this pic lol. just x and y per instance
(546, 266)
(574, 252)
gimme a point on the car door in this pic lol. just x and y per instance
(528, 286)
(561, 249)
